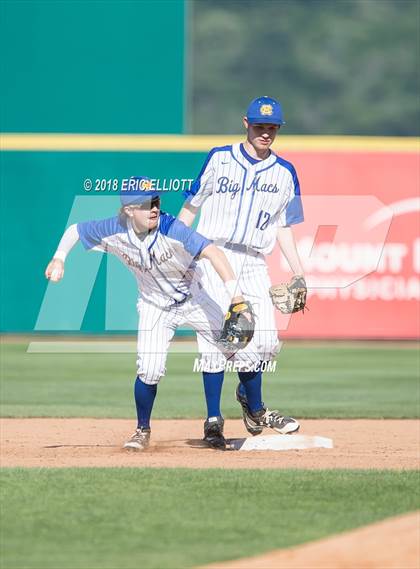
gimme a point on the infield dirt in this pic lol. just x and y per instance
(362, 548)
(358, 444)
(38, 442)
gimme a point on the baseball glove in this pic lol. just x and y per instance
(239, 326)
(290, 297)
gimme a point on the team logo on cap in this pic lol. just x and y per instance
(145, 185)
(266, 110)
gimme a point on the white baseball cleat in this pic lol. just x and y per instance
(274, 420)
(139, 441)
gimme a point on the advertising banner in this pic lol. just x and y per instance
(359, 243)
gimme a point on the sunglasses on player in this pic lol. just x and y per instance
(155, 202)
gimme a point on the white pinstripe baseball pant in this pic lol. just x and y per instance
(254, 281)
(157, 327)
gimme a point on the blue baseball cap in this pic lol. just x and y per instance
(137, 190)
(264, 110)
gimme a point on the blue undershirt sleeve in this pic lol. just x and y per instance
(193, 242)
(294, 209)
(92, 233)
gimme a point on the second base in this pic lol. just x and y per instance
(281, 442)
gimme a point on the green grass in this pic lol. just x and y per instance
(131, 518)
(322, 380)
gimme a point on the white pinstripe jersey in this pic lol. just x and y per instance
(243, 200)
(163, 261)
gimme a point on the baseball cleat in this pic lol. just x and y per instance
(139, 441)
(275, 421)
(255, 422)
(251, 425)
(213, 433)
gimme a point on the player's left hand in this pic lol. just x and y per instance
(291, 297)
(55, 270)
(239, 326)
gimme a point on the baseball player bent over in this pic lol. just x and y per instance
(161, 252)
(248, 198)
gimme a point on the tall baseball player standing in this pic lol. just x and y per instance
(161, 252)
(248, 198)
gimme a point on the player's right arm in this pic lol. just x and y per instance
(199, 191)
(187, 214)
(92, 234)
(55, 268)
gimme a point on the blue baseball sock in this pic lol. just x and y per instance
(144, 395)
(213, 391)
(251, 382)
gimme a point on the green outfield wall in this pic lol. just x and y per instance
(114, 66)
(80, 67)
(49, 195)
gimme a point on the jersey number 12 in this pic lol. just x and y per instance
(263, 219)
